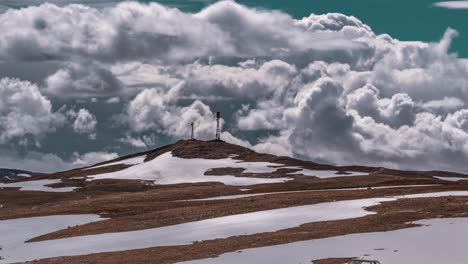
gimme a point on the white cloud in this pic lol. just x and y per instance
(91, 158)
(452, 4)
(445, 104)
(84, 122)
(154, 111)
(24, 111)
(113, 100)
(48, 162)
(144, 75)
(7, 4)
(135, 142)
(277, 145)
(163, 33)
(371, 107)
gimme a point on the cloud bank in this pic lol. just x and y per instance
(132, 31)
(452, 4)
(325, 87)
(48, 163)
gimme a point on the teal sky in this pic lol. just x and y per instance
(402, 19)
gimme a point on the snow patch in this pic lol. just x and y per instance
(454, 179)
(39, 185)
(411, 245)
(325, 173)
(15, 232)
(237, 196)
(167, 169)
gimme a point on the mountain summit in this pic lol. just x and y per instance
(216, 161)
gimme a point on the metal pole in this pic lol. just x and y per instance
(192, 136)
(218, 129)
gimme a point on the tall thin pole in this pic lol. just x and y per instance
(218, 129)
(192, 136)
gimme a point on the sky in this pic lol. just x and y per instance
(381, 83)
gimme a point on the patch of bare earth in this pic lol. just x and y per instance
(332, 261)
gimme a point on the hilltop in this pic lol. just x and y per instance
(218, 149)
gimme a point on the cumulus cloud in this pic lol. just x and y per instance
(132, 31)
(6, 4)
(84, 122)
(24, 111)
(277, 145)
(447, 104)
(369, 107)
(113, 100)
(325, 87)
(78, 80)
(152, 110)
(135, 142)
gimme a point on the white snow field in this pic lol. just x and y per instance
(221, 227)
(454, 179)
(238, 196)
(187, 233)
(39, 185)
(167, 169)
(15, 232)
(130, 161)
(437, 241)
(325, 173)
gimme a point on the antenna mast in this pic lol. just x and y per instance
(218, 128)
(192, 136)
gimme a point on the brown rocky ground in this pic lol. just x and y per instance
(332, 261)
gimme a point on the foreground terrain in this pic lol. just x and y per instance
(195, 200)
